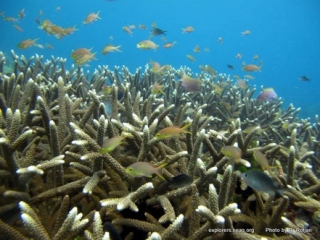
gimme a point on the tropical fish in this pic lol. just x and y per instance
(142, 26)
(188, 29)
(261, 159)
(180, 181)
(191, 58)
(157, 32)
(242, 84)
(21, 14)
(18, 28)
(147, 44)
(246, 32)
(127, 30)
(196, 49)
(220, 40)
(27, 43)
(225, 104)
(169, 44)
(232, 152)
(69, 30)
(304, 78)
(172, 131)
(190, 84)
(251, 67)
(208, 69)
(11, 19)
(80, 52)
(110, 48)
(144, 169)
(50, 46)
(255, 57)
(111, 144)
(157, 88)
(231, 67)
(239, 56)
(260, 181)
(106, 90)
(85, 58)
(91, 18)
(249, 77)
(267, 94)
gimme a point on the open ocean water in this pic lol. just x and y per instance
(284, 34)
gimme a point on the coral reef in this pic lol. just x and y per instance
(57, 183)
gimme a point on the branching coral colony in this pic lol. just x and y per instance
(62, 179)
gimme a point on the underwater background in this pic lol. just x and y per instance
(284, 34)
(159, 120)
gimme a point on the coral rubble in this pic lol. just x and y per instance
(58, 183)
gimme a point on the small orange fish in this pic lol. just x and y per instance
(190, 84)
(69, 30)
(172, 131)
(85, 58)
(169, 44)
(91, 18)
(157, 88)
(142, 26)
(251, 67)
(48, 45)
(80, 52)
(242, 84)
(27, 43)
(188, 29)
(110, 48)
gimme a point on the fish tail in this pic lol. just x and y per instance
(184, 128)
(158, 171)
(117, 48)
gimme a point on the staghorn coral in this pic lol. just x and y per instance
(55, 178)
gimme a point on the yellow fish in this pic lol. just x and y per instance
(172, 131)
(232, 152)
(144, 169)
(147, 44)
(110, 48)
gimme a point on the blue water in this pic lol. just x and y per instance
(285, 34)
